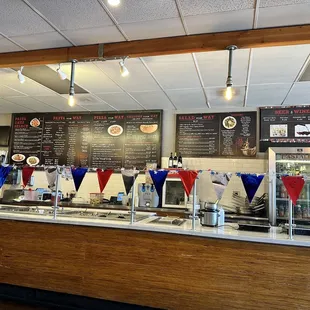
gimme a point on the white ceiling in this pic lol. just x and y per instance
(262, 77)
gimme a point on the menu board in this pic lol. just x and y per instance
(216, 134)
(98, 140)
(284, 126)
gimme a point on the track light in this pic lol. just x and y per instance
(71, 100)
(229, 81)
(123, 69)
(20, 76)
(114, 2)
(61, 74)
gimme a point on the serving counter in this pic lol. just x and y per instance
(153, 264)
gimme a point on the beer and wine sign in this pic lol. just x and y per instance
(284, 127)
(133, 139)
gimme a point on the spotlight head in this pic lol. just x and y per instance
(114, 2)
(124, 71)
(61, 74)
(20, 76)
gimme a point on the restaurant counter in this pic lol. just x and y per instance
(205, 268)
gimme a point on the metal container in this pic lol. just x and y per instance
(209, 217)
(204, 205)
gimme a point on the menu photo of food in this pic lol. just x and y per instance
(229, 122)
(32, 160)
(115, 130)
(149, 128)
(35, 122)
(277, 131)
(18, 157)
(302, 130)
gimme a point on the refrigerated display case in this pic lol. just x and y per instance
(288, 161)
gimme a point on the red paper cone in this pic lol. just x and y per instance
(188, 178)
(103, 178)
(27, 173)
(293, 185)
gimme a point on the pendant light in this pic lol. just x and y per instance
(229, 81)
(61, 74)
(124, 71)
(20, 76)
(71, 100)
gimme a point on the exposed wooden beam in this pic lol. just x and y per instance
(253, 38)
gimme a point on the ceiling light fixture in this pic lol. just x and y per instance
(229, 81)
(61, 74)
(123, 69)
(114, 2)
(71, 100)
(20, 76)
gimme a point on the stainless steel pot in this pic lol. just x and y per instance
(209, 217)
(204, 205)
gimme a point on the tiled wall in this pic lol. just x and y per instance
(204, 186)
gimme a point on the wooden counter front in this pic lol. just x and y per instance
(154, 269)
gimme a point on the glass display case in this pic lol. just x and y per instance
(289, 161)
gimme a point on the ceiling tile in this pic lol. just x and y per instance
(42, 40)
(299, 94)
(90, 77)
(17, 19)
(153, 100)
(267, 95)
(30, 88)
(268, 3)
(139, 78)
(198, 7)
(130, 11)
(227, 21)
(214, 67)
(59, 103)
(33, 104)
(86, 100)
(277, 64)
(9, 92)
(7, 46)
(121, 101)
(99, 107)
(216, 98)
(10, 107)
(284, 15)
(187, 98)
(73, 14)
(154, 29)
(174, 71)
(94, 35)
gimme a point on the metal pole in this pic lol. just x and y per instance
(290, 219)
(56, 194)
(194, 207)
(132, 211)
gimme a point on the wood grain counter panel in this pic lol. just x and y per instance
(154, 269)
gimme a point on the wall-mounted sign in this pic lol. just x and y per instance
(216, 134)
(101, 140)
(284, 127)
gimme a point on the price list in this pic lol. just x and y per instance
(107, 146)
(27, 136)
(198, 135)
